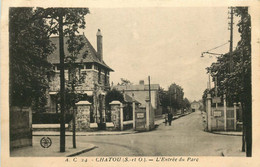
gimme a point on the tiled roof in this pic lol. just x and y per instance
(88, 50)
(129, 99)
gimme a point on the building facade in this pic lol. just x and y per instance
(92, 72)
(141, 93)
(195, 105)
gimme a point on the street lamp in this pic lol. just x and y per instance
(216, 54)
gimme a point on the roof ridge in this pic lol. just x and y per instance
(90, 57)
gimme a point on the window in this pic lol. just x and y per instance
(99, 75)
(80, 67)
(105, 77)
(95, 67)
(88, 66)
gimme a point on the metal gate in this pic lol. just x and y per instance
(140, 120)
(218, 119)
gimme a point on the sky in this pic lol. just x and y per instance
(163, 43)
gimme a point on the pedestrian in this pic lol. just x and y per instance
(170, 119)
(165, 119)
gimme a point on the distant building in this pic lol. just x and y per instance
(195, 105)
(141, 92)
(95, 71)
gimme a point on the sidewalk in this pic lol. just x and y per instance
(159, 120)
(53, 151)
(96, 133)
(233, 152)
(229, 133)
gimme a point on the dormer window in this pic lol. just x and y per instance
(88, 66)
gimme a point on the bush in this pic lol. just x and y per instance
(49, 118)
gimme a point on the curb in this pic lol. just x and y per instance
(82, 151)
(96, 134)
(226, 134)
(106, 134)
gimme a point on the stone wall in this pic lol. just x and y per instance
(115, 114)
(82, 116)
(91, 77)
(20, 127)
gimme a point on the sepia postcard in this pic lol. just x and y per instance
(130, 83)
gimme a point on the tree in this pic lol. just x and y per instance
(236, 83)
(244, 49)
(125, 82)
(164, 99)
(75, 44)
(63, 22)
(173, 98)
(176, 96)
(29, 48)
(113, 95)
(186, 103)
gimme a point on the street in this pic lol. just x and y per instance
(186, 137)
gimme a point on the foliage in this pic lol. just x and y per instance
(72, 95)
(125, 82)
(173, 97)
(230, 76)
(114, 95)
(186, 103)
(72, 20)
(232, 73)
(29, 48)
(30, 45)
(176, 96)
(163, 97)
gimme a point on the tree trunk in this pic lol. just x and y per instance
(62, 86)
(243, 128)
(74, 128)
(248, 129)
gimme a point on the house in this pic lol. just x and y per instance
(94, 71)
(141, 93)
(195, 105)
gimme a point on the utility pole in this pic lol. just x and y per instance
(62, 86)
(149, 96)
(149, 88)
(231, 38)
(231, 22)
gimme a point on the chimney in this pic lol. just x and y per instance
(99, 45)
(141, 82)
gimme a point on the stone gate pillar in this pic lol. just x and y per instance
(235, 116)
(149, 115)
(133, 113)
(225, 112)
(83, 115)
(209, 111)
(147, 107)
(117, 114)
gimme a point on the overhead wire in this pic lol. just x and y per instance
(208, 51)
(217, 47)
